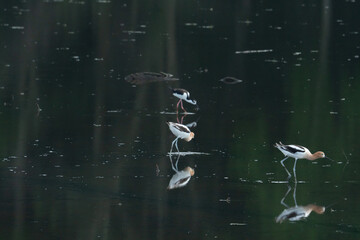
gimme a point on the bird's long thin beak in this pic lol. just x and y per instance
(330, 159)
(330, 205)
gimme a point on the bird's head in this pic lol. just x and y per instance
(319, 155)
(190, 170)
(192, 135)
(316, 208)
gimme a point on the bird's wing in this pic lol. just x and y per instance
(293, 148)
(179, 91)
(182, 128)
(180, 179)
(291, 214)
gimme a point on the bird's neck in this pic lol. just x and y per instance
(312, 157)
(315, 208)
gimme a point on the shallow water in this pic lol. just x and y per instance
(85, 154)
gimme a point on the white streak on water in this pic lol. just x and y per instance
(253, 51)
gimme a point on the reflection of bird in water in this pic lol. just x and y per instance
(297, 152)
(147, 77)
(182, 94)
(180, 131)
(180, 178)
(297, 213)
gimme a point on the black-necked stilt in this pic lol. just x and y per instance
(182, 94)
(180, 131)
(297, 152)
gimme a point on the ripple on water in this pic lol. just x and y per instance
(188, 153)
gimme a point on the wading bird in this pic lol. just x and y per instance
(297, 213)
(182, 94)
(180, 131)
(180, 178)
(297, 152)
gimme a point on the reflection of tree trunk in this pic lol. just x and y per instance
(171, 61)
(27, 124)
(243, 13)
(322, 80)
(100, 217)
(156, 60)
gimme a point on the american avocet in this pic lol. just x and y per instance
(297, 152)
(180, 131)
(182, 94)
(180, 178)
(299, 212)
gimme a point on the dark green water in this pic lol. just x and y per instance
(93, 164)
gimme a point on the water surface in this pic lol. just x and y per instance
(84, 153)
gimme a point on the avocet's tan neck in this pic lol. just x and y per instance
(192, 135)
(316, 155)
(316, 208)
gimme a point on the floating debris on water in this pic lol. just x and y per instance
(230, 80)
(227, 200)
(253, 51)
(147, 77)
(134, 32)
(18, 27)
(191, 24)
(238, 224)
(114, 111)
(207, 27)
(281, 182)
(175, 113)
(188, 153)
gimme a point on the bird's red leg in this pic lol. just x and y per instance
(182, 118)
(183, 107)
(177, 105)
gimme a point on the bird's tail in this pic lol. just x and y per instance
(278, 145)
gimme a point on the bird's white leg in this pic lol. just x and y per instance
(176, 145)
(294, 195)
(172, 145)
(282, 163)
(172, 164)
(283, 199)
(176, 164)
(294, 170)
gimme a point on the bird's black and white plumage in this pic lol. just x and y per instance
(299, 212)
(180, 131)
(182, 94)
(297, 152)
(181, 178)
